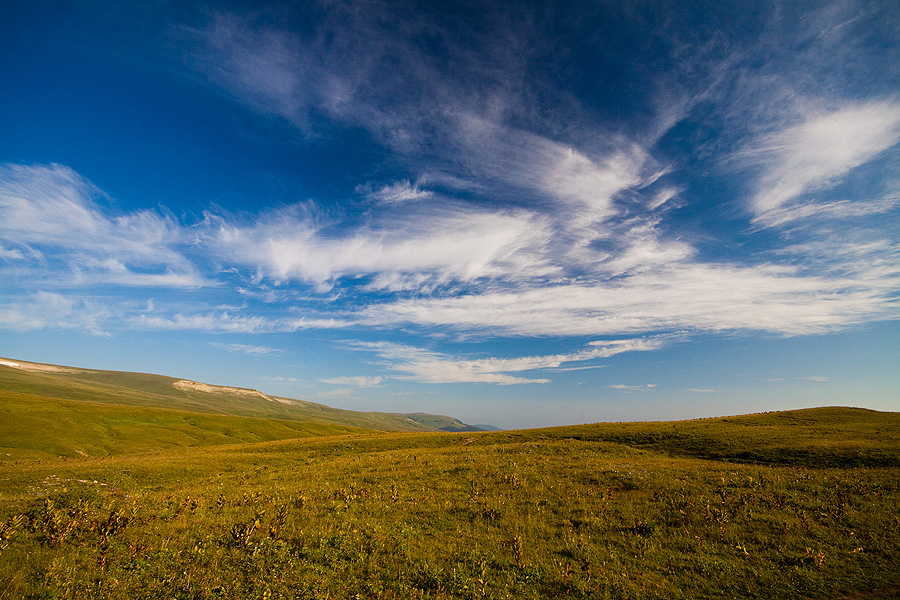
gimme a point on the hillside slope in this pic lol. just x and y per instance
(144, 389)
(817, 437)
(76, 402)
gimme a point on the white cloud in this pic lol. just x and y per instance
(583, 186)
(52, 211)
(454, 128)
(13, 254)
(225, 321)
(469, 269)
(46, 310)
(212, 322)
(662, 197)
(816, 153)
(568, 369)
(633, 388)
(313, 323)
(399, 192)
(818, 378)
(452, 243)
(434, 367)
(699, 390)
(248, 349)
(261, 66)
(678, 297)
(836, 210)
(641, 249)
(587, 186)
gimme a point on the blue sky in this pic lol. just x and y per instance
(521, 214)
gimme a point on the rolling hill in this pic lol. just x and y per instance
(54, 410)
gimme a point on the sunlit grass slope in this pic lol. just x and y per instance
(40, 427)
(157, 391)
(829, 436)
(601, 511)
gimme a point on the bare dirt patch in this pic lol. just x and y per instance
(37, 368)
(187, 385)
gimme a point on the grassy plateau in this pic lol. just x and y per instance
(134, 499)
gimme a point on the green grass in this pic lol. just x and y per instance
(803, 504)
(142, 390)
(39, 427)
(818, 437)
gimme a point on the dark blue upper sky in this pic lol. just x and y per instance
(517, 213)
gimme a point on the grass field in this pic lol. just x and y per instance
(802, 504)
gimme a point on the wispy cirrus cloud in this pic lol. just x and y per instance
(398, 192)
(52, 223)
(427, 366)
(677, 297)
(520, 272)
(261, 66)
(49, 310)
(449, 124)
(229, 321)
(834, 210)
(447, 244)
(248, 349)
(815, 154)
(221, 322)
(11, 254)
(633, 388)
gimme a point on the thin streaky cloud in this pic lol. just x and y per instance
(261, 66)
(434, 367)
(633, 388)
(248, 349)
(53, 215)
(14, 254)
(840, 209)
(50, 310)
(398, 192)
(440, 245)
(672, 298)
(212, 322)
(817, 152)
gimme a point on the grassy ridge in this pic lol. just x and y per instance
(559, 513)
(41, 427)
(158, 391)
(817, 437)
